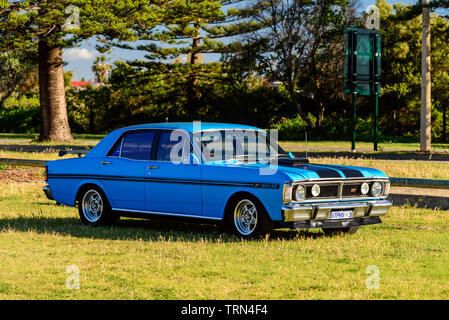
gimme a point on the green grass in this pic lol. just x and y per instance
(405, 169)
(365, 146)
(139, 259)
(92, 139)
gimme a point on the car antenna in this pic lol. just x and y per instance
(305, 134)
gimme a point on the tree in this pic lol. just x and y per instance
(17, 72)
(294, 34)
(401, 66)
(176, 52)
(101, 69)
(50, 25)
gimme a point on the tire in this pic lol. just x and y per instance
(94, 208)
(340, 231)
(247, 218)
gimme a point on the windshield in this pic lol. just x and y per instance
(238, 145)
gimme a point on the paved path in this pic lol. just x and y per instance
(41, 148)
(15, 140)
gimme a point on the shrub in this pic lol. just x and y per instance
(20, 115)
(291, 129)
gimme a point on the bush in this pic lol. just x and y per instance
(291, 129)
(20, 115)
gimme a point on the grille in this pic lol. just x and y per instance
(326, 191)
(352, 190)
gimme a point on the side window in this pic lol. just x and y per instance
(116, 152)
(137, 145)
(171, 146)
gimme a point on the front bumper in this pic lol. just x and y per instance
(47, 192)
(331, 223)
(321, 211)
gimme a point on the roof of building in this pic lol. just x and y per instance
(80, 83)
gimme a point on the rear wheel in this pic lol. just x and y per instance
(94, 208)
(340, 231)
(247, 218)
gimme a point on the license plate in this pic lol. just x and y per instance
(341, 214)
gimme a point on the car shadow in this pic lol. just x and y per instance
(140, 229)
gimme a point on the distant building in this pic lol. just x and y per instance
(80, 85)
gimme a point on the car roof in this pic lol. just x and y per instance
(105, 144)
(191, 126)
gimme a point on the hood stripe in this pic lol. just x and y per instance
(322, 172)
(348, 172)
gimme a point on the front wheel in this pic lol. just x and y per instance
(94, 208)
(247, 218)
(340, 231)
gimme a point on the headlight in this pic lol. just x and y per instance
(315, 190)
(364, 188)
(300, 193)
(287, 193)
(376, 189)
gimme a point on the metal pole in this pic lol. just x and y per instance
(354, 120)
(425, 80)
(376, 122)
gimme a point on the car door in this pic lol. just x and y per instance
(173, 185)
(122, 170)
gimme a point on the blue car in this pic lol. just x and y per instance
(229, 174)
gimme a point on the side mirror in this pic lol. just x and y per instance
(290, 155)
(193, 159)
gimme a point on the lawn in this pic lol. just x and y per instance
(92, 139)
(406, 169)
(139, 259)
(360, 146)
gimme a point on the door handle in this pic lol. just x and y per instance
(105, 162)
(153, 167)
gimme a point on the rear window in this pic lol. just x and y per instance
(137, 146)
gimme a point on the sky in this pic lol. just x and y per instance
(80, 59)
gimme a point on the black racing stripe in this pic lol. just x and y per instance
(351, 173)
(348, 172)
(167, 180)
(322, 172)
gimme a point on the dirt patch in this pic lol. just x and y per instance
(10, 175)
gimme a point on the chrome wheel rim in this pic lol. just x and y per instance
(92, 206)
(245, 217)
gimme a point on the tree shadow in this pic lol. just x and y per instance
(141, 229)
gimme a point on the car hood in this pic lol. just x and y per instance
(309, 170)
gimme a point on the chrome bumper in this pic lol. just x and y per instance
(47, 192)
(322, 211)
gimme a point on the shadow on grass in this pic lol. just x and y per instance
(140, 229)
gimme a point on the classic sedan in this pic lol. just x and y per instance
(229, 174)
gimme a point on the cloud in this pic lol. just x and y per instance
(79, 54)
